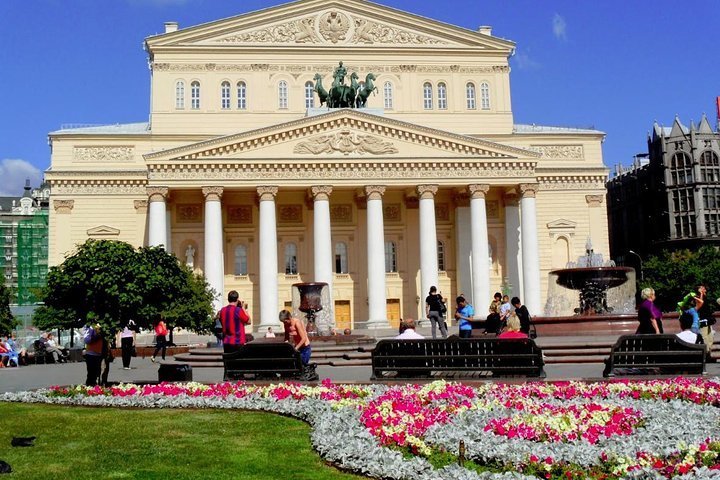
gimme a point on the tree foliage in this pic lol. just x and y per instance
(673, 274)
(110, 282)
(7, 320)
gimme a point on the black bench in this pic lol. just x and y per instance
(419, 358)
(654, 354)
(262, 359)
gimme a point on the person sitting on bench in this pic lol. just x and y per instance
(408, 332)
(687, 335)
(512, 330)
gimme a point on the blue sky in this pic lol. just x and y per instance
(616, 65)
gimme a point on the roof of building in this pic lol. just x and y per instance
(532, 128)
(6, 203)
(113, 129)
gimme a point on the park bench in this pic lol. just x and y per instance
(419, 358)
(654, 354)
(263, 359)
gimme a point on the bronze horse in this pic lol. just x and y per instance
(343, 96)
(320, 90)
(363, 93)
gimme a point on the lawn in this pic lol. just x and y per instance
(93, 443)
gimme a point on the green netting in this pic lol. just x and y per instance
(32, 257)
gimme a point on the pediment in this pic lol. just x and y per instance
(343, 134)
(324, 23)
(103, 231)
(561, 224)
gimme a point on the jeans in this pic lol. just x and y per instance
(466, 333)
(93, 363)
(305, 354)
(127, 344)
(160, 344)
(436, 318)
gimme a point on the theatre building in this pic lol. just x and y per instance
(245, 175)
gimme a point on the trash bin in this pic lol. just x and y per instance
(75, 354)
(175, 372)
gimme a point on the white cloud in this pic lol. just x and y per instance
(559, 27)
(524, 61)
(13, 173)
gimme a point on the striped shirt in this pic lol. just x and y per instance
(233, 319)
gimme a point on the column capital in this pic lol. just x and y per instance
(140, 205)
(267, 192)
(157, 194)
(321, 192)
(212, 193)
(63, 206)
(427, 191)
(529, 190)
(374, 192)
(594, 200)
(478, 190)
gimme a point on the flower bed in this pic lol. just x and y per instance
(623, 429)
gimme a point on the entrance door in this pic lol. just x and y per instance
(342, 315)
(393, 312)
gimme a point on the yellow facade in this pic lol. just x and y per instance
(102, 177)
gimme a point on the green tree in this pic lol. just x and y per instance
(7, 320)
(672, 274)
(110, 282)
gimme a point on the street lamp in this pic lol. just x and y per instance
(640, 260)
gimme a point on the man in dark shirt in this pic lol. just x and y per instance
(523, 314)
(233, 318)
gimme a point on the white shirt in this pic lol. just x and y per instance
(687, 336)
(409, 334)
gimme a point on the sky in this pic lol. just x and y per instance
(613, 65)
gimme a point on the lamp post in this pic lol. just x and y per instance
(642, 277)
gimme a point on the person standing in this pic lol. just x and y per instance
(464, 314)
(707, 320)
(127, 343)
(649, 315)
(434, 307)
(296, 334)
(523, 315)
(161, 332)
(92, 336)
(233, 318)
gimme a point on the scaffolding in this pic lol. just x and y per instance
(24, 260)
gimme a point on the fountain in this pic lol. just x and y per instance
(313, 299)
(602, 287)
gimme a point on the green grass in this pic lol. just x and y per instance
(100, 443)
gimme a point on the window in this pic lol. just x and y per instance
(282, 94)
(388, 95)
(710, 167)
(427, 96)
(442, 96)
(341, 260)
(242, 96)
(291, 259)
(711, 198)
(195, 95)
(225, 95)
(390, 257)
(485, 96)
(470, 96)
(309, 95)
(681, 169)
(241, 260)
(180, 95)
(441, 256)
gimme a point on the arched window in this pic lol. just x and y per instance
(390, 257)
(291, 259)
(241, 260)
(427, 96)
(485, 96)
(388, 95)
(441, 256)
(681, 169)
(241, 96)
(710, 167)
(309, 95)
(283, 94)
(442, 96)
(341, 258)
(195, 95)
(179, 95)
(225, 95)
(470, 96)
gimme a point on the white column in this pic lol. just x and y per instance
(214, 251)
(377, 300)
(322, 238)
(268, 258)
(530, 252)
(428, 241)
(513, 258)
(157, 216)
(480, 251)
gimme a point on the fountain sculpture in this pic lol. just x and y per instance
(602, 287)
(313, 300)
